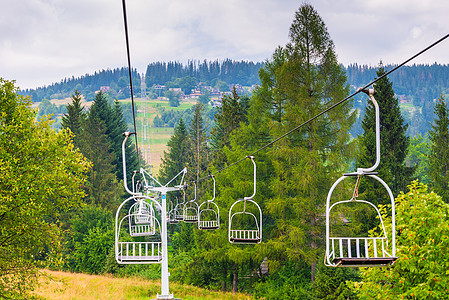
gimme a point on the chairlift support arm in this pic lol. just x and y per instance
(254, 192)
(371, 93)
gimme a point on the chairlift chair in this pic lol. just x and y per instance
(361, 251)
(172, 215)
(245, 235)
(209, 214)
(191, 210)
(142, 220)
(129, 251)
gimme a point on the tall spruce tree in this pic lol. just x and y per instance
(439, 150)
(301, 80)
(176, 157)
(393, 144)
(102, 187)
(199, 154)
(112, 116)
(74, 117)
(227, 119)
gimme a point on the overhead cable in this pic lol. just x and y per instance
(330, 108)
(125, 20)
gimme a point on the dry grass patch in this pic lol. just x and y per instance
(71, 286)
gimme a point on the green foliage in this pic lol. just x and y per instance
(439, 150)
(227, 119)
(420, 272)
(75, 116)
(330, 283)
(90, 238)
(204, 97)
(393, 145)
(292, 281)
(173, 97)
(175, 159)
(42, 176)
(418, 157)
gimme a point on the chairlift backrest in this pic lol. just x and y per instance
(129, 251)
(209, 213)
(361, 251)
(244, 235)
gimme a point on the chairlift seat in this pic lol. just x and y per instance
(138, 252)
(363, 261)
(191, 218)
(142, 230)
(245, 236)
(208, 225)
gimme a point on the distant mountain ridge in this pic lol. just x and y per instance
(416, 86)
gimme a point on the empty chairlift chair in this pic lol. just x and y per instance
(209, 213)
(191, 210)
(362, 250)
(245, 219)
(142, 220)
(172, 214)
(130, 251)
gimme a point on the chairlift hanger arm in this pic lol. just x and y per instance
(127, 134)
(254, 192)
(371, 93)
(213, 178)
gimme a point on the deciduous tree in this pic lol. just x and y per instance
(42, 175)
(420, 272)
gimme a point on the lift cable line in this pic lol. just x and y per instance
(328, 109)
(125, 21)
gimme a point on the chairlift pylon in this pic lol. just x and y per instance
(361, 251)
(209, 213)
(245, 235)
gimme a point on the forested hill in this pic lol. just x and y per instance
(215, 73)
(416, 84)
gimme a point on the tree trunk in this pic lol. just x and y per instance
(235, 282)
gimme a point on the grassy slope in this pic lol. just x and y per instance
(65, 286)
(153, 138)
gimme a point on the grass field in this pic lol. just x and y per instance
(73, 286)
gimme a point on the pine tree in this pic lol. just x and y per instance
(439, 150)
(115, 125)
(227, 119)
(300, 81)
(176, 157)
(74, 117)
(102, 186)
(393, 144)
(198, 160)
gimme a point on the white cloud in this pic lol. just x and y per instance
(44, 41)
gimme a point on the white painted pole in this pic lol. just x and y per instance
(164, 267)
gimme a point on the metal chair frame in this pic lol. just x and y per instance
(191, 210)
(208, 207)
(362, 251)
(245, 236)
(134, 252)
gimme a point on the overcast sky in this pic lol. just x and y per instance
(44, 41)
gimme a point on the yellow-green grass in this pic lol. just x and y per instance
(74, 286)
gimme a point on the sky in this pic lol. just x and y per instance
(45, 41)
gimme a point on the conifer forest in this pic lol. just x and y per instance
(280, 189)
